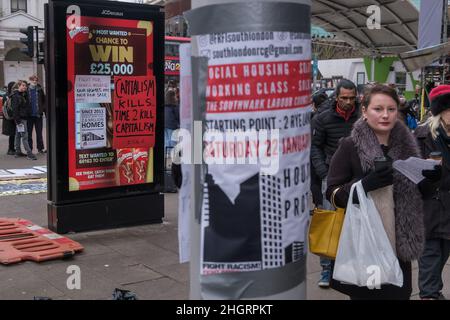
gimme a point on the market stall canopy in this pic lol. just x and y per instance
(417, 59)
(348, 20)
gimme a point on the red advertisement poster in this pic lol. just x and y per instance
(111, 102)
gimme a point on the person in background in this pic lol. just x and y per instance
(377, 134)
(171, 85)
(322, 101)
(393, 86)
(316, 182)
(9, 126)
(36, 98)
(329, 126)
(414, 104)
(21, 111)
(171, 116)
(428, 87)
(434, 136)
(171, 123)
(406, 114)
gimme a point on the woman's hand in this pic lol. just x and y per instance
(378, 179)
(429, 185)
(433, 175)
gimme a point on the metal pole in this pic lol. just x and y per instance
(444, 37)
(315, 71)
(36, 49)
(196, 198)
(372, 69)
(422, 98)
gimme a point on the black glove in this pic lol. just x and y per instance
(355, 199)
(429, 185)
(378, 179)
(177, 175)
(433, 175)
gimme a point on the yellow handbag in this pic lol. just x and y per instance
(325, 230)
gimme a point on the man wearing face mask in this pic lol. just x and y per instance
(36, 99)
(328, 128)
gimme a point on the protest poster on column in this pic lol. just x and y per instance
(258, 108)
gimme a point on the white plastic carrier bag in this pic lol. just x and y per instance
(365, 256)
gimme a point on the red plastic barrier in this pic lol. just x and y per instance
(23, 240)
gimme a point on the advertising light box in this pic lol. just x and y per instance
(112, 103)
(105, 83)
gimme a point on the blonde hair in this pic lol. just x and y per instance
(434, 122)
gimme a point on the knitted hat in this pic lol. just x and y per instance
(440, 99)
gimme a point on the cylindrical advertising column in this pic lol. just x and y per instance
(251, 68)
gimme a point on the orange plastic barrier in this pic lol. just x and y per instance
(23, 240)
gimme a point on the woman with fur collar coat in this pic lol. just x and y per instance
(398, 200)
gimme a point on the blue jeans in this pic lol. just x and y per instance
(24, 137)
(168, 142)
(37, 123)
(168, 146)
(325, 262)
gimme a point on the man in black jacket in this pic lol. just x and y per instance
(316, 182)
(329, 126)
(36, 99)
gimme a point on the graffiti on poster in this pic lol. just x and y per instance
(134, 112)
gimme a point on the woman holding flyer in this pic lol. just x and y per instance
(434, 141)
(379, 135)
